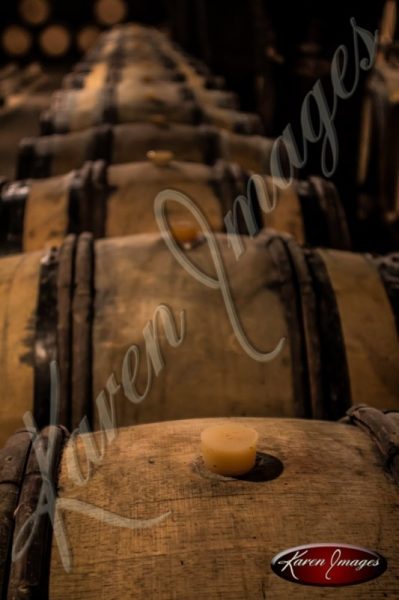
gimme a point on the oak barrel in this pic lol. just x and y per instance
(86, 306)
(74, 110)
(183, 532)
(117, 200)
(311, 211)
(101, 73)
(111, 200)
(57, 154)
(147, 72)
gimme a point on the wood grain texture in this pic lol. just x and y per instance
(287, 216)
(252, 153)
(209, 374)
(69, 151)
(19, 283)
(29, 569)
(132, 142)
(232, 120)
(46, 217)
(138, 103)
(130, 208)
(222, 534)
(81, 330)
(12, 467)
(368, 325)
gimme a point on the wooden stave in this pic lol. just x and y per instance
(322, 211)
(212, 188)
(304, 294)
(334, 295)
(114, 76)
(40, 332)
(301, 209)
(13, 457)
(55, 155)
(80, 77)
(310, 210)
(79, 201)
(26, 205)
(18, 323)
(234, 121)
(226, 116)
(356, 465)
(47, 155)
(29, 573)
(388, 270)
(74, 408)
(64, 118)
(323, 408)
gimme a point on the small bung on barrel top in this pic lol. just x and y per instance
(229, 449)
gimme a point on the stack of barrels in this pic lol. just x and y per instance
(153, 271)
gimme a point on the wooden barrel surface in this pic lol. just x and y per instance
(40, 213)
(149, 72)
(117, 200)
(76, 110)
(113, 200)
(57, 154)
(311, 211)
(129, 192)
(307, 472)
(19, 284)
(235, 121)
(13, 457)
(102, 73)
(334, 354)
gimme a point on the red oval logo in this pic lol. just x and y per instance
(328, 565)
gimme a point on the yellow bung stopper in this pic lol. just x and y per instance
(160, 158)
(229, 449)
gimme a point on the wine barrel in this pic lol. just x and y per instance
(102, 73)
(38, 214)
(125, 194)
(117, 52)
(235, 121)
(57, 154)
(311, 211)
(117, 200)
(86, 306)
(125, 103)
(146, 73)
(114, 200)
(21, 79)
(306, 473)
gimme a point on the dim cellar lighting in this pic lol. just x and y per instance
(34, 12)
(16, 40)
(110, 12)
(55, 40)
